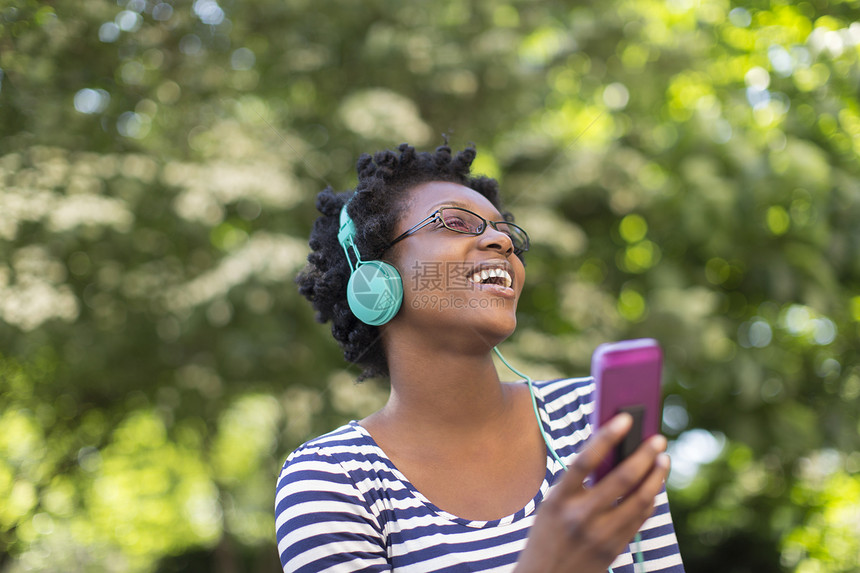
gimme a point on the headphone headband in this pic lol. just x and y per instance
(346, 237)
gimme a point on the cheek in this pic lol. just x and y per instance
(430, 269)
(434, 280)
(520, 271)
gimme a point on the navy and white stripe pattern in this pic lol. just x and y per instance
(342, 506)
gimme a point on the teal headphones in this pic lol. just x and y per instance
(375, 290)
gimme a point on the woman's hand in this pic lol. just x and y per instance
(584, 529)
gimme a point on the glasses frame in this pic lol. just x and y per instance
(437, 215)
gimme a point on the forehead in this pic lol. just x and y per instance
(427, 197)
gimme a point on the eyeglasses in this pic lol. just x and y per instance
(464, 221)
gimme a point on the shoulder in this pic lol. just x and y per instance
(566, 405)
(326, 458)
(321, 500)
(344, 465)
(339, 440)
(565, 395)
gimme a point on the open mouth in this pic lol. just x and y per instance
(492, 276)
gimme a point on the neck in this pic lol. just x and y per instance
(444, 388)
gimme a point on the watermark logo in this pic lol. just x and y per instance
(369, 288)
(440, 303)
(438, 283)
(439, 276)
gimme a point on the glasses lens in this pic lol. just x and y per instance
(462, 221)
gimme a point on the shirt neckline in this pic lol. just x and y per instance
(529, 509)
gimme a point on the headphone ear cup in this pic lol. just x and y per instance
(375, 292)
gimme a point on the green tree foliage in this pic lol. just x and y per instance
(688, 170)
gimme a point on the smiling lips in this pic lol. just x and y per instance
(495, 275)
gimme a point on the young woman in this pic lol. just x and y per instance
(454, 472)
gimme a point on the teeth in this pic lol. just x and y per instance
(484, 274)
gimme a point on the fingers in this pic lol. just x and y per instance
(637, 505)
(590, 526)
(641, 501)
(598, 447)
(630, 472)
(586, 461)
(641, 474)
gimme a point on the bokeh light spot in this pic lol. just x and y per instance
(91, 101)
(777, 220)
(109, 32)
(633, 228)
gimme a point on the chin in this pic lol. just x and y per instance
(496, 331)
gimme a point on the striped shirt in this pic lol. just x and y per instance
(342, 506)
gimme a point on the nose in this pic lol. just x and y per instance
(495, 240)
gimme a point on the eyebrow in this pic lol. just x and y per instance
(450, 203)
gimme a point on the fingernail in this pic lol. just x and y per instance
(620, 422)
(663, 460)
(658, 442)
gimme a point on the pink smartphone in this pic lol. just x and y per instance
(627, 379)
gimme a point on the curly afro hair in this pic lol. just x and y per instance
(375, 206)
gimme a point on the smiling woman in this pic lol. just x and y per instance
(458, 471)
